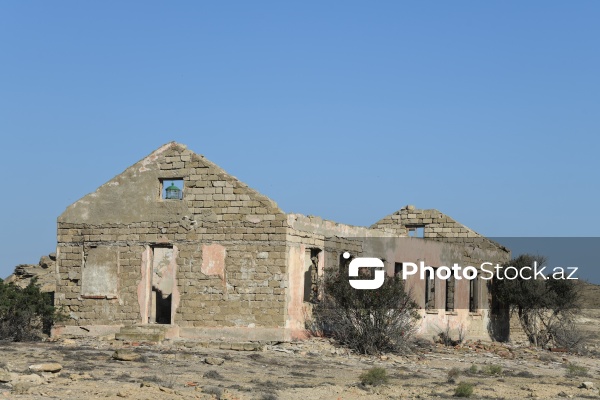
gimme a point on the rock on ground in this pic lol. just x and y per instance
(45, 367)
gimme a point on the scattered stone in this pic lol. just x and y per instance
(125, 355)
(586, 385)
(45, 367)
(33, 379)
(237, 346)
(289, 351)
(22, 387)
(505, 354)
(563, 394)
(5, 376)
(214, 361)
(49, 375)
(166, 389)
(81, 375)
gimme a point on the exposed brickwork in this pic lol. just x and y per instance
(216, 208)
(436, 226)
(234, 264)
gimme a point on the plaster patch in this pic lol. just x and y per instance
(99, 277)
(213, 260)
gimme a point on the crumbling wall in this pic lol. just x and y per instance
(391, 244)
(435, 226)
(462, 245)
(313, 237)
(230, 241)
(237, 266)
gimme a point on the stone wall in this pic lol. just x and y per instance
(387, 242)
(435, 226)
(326, 240)
(229, 242)
(223, 261)
(469, 248)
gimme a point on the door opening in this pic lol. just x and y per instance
(161, 308)
(163, 278)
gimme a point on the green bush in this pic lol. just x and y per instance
(472, 369)
(492, 370)
(546, 308)
(464, 389)
(367, 321)
(375, 376)
(25, 313)
(577, 370)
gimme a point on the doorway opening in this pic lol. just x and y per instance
(161, 308)
(162, 280)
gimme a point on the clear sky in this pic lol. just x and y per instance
(487, 111)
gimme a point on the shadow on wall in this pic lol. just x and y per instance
(163, 308)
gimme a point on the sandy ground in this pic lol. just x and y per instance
(314, 369)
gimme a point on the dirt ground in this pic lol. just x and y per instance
(314, 369)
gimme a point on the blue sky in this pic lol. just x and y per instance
(487, 111)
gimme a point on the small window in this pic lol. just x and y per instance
(450, 284)
(417, 231)
(429, 290)
(473, 296)
(171, 189)
(398, 269)
(311, 275)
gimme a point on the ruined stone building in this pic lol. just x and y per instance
(174, 242)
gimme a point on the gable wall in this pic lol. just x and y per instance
(239, 263)
(389, 243)
(229, 245)
(437, 226)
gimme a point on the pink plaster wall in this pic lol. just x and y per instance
(143, 289)
(295, 315)
(213, 261)
(433, 321)
(175, 296)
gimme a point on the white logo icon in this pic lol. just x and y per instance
(365, 262)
